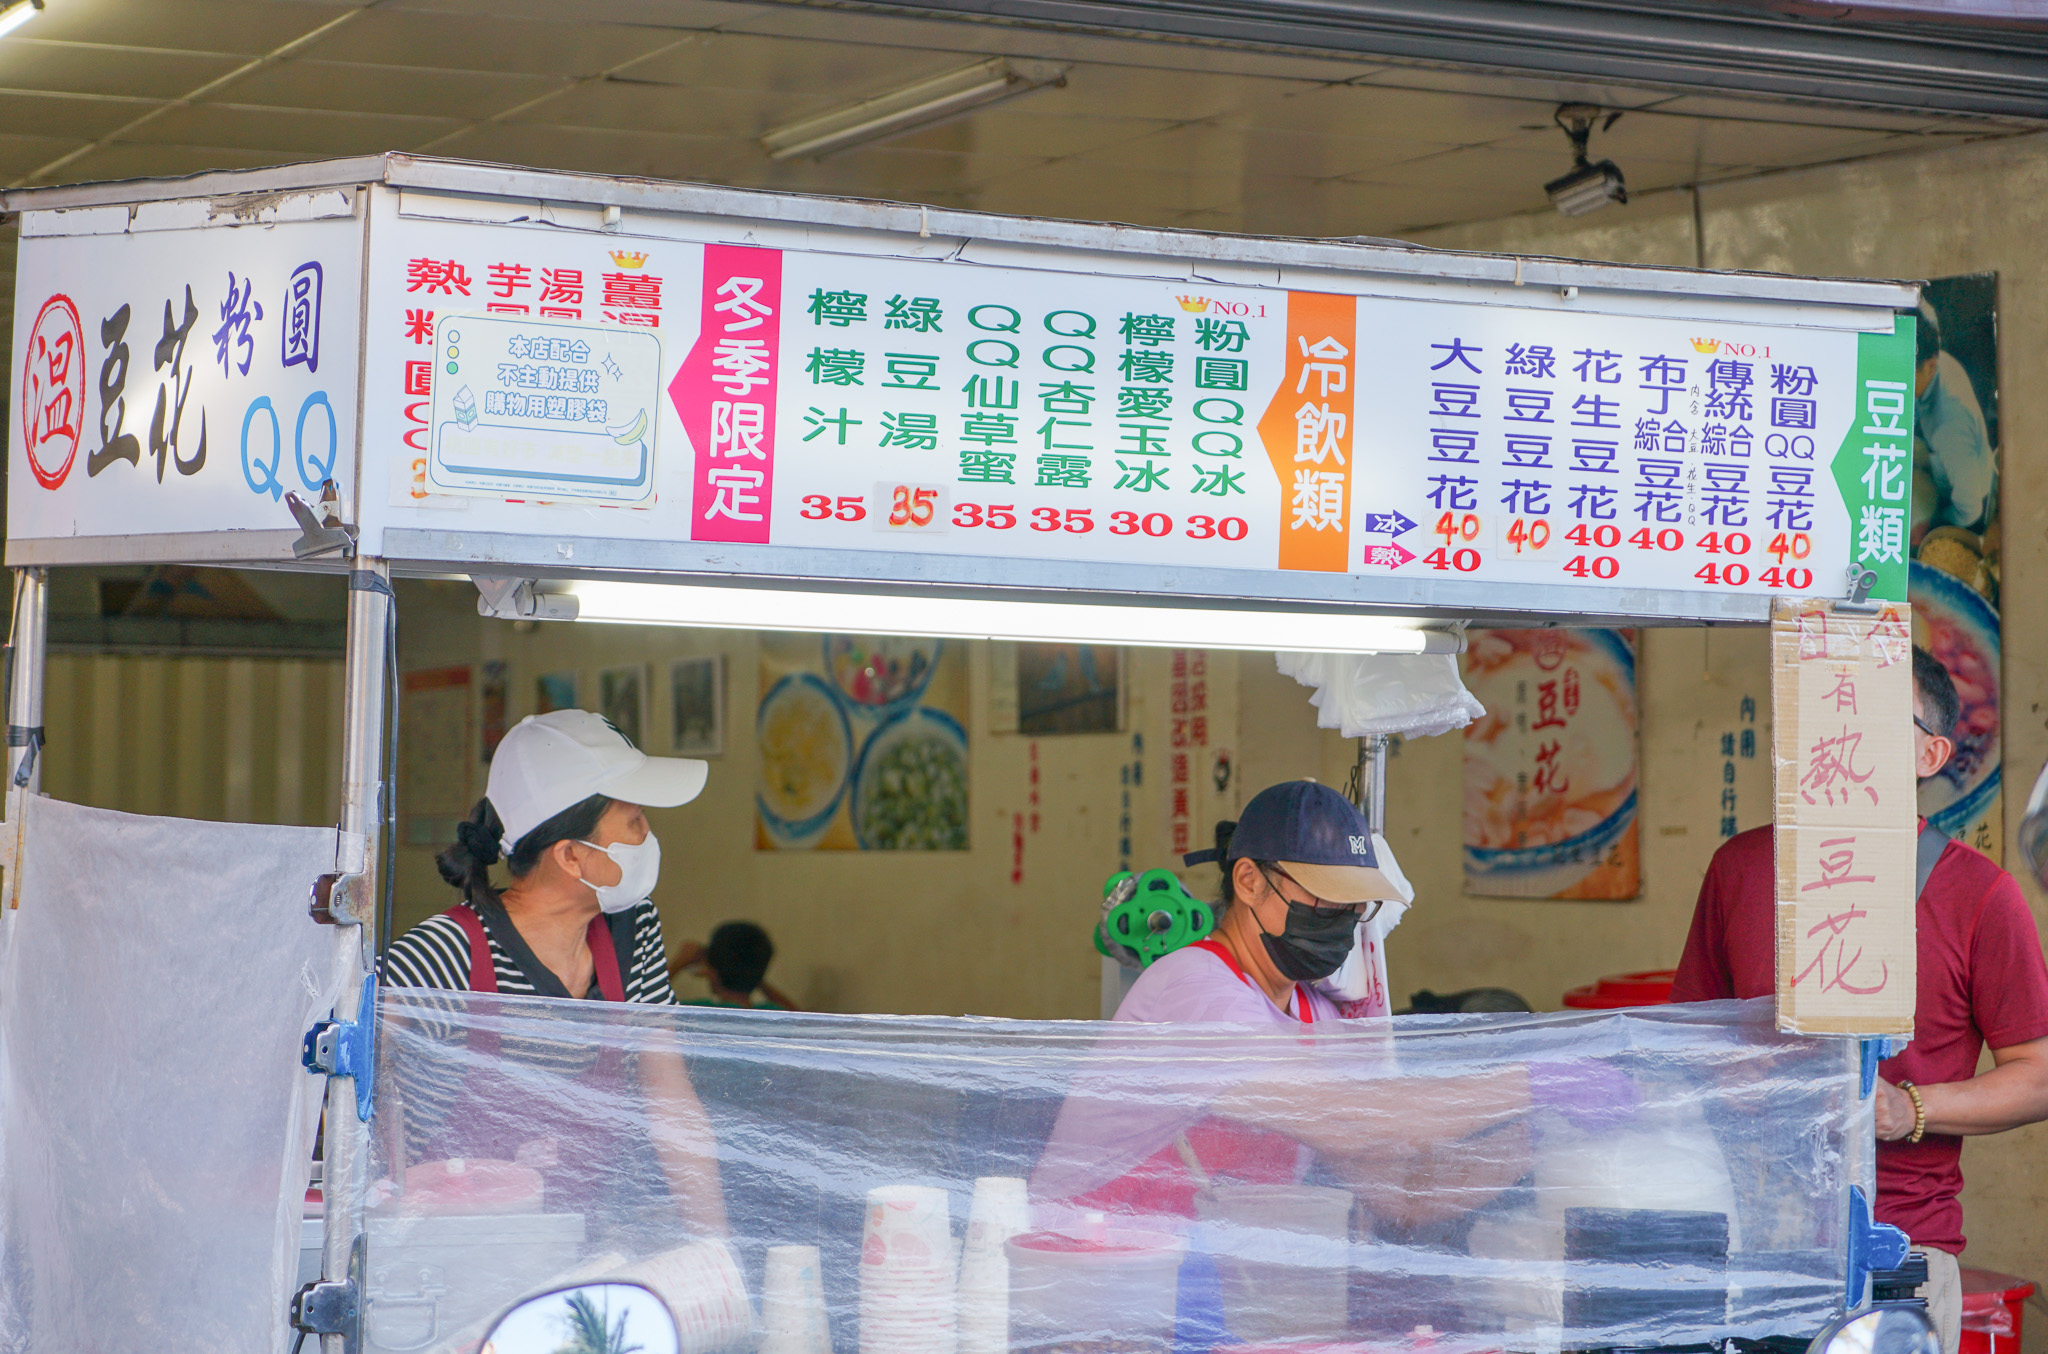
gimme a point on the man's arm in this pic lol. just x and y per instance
(2011, 1094)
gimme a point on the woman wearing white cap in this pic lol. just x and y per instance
(564, 806)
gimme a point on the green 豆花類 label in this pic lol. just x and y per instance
(1874, 467)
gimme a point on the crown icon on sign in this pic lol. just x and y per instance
(627, 258)
(1194, 304)
(1706, 345)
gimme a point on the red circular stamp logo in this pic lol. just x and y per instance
(53, 391)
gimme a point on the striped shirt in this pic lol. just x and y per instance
(432, 1076)
(435, 954)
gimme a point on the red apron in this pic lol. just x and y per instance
(1161, 1184)
(509, 1102)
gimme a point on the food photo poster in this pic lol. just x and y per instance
(863, 744)
(1954, 579)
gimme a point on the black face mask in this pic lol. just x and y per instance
(1313, 944)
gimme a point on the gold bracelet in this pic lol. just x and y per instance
(1919, 1111)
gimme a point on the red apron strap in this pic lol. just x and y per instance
(483, 970)
(605, 958)
(1304, 1012)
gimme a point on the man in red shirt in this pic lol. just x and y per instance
(1981, 981)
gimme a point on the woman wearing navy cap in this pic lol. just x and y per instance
(1299, 874)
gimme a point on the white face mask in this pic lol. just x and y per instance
(639, 866)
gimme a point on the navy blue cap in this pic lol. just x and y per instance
(1316, 835)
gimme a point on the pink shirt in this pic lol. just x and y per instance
(1196, 984)
(1116, 1151)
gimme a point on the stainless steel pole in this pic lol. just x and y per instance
(345, 1171)
(24, 720)
(1372, 753)
(25, 689)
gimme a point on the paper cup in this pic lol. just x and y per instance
(907, 1272)
(793, 1319)
(703, 1287)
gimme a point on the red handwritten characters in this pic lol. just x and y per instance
(1836, 961)
(1843, 694)
(53, 391)
(1831, 772)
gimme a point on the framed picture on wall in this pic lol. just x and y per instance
(554, 691)
(696, 688)
(622, 699)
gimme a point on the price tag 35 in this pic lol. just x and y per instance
(909, 507)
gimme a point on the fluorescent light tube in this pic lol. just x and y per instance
(915, 105)
(745, 608)
(14, 16)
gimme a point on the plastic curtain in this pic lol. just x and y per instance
(156, 1126)
(895, 1185)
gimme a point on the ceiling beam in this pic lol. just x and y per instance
(1688, 45)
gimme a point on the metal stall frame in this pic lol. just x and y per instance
(373, 541)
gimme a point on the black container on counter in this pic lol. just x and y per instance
(1664, 1308)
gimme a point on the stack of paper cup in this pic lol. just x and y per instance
(999, 1211)
(906, 1272)
(702, 1285)
(793, 1317)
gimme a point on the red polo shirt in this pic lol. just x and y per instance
(1981, 979)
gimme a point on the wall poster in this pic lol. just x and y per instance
(1955, 571)
(1550, 772)
(863, 744)
(435, 718)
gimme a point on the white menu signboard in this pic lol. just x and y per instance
(859, 403)
(543, 386)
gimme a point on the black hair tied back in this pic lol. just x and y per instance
(467, 864)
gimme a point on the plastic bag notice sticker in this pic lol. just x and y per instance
(1842, 691)
(543, 409)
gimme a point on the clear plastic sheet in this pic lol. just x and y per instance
(1656, 1177)
(156, 1126)
(1417, 695)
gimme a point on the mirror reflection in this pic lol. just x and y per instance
(597, 1318)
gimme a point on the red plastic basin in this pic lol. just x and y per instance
(1991, 1311)
(1652, 988)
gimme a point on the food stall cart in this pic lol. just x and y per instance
(608, 399)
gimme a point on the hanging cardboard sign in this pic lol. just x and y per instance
(1842, 695)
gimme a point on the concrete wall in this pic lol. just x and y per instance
(1965, 210)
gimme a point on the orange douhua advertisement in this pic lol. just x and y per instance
(1307, 431)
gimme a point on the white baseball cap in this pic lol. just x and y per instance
(551, 762)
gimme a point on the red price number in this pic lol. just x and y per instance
(912, 505)
(1605, 536)
(1734, 543)
(847, 508)
(1455, 527)
(1001, 516)
(1203, 528)
(1464, 561)
(1075, 520)
(1790, 545)
(1734, 574)
(1798, 578)
(1670, 538)
(1593, 566)
(1527, 535)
